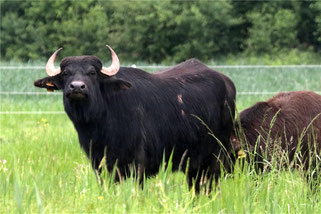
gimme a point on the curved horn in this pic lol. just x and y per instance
(114, 67)
(50, 66)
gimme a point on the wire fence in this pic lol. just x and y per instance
(155, 67)
(30, 112)
(29, 93)
(165, 66)
(63, 113)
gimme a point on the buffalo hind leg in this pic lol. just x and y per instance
(194, 179)
(197, 180)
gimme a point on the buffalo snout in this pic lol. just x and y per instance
(77, 86)
(77, 90)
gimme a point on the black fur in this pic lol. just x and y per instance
(137, 117)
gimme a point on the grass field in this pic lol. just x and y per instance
(43, 169)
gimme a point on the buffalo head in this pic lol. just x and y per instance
(83, 80)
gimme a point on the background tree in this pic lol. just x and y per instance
(158, 31)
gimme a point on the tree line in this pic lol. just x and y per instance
(158, 31)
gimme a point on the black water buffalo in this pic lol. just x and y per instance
(287, 127)
(133, 117)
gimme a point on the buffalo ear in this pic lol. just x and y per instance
(49, 83)
(119, 84)
(124, 85)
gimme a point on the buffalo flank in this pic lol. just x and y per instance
(286, 127)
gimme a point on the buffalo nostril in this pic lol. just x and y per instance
(77, 85)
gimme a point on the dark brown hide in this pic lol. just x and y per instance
(296, 129)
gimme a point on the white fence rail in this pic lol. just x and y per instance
(254, 93)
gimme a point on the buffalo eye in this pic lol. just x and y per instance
(92, 72)
(65, 73)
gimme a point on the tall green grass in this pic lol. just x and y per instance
(44, 170)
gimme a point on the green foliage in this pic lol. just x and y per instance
(172, 31)
(78, 26)
(157, 31)
(272, 29)
(205, 34)
(308, 27)
(317, 33)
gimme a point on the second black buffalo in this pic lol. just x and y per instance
(132, 117)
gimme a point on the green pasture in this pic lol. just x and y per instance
(43, 169)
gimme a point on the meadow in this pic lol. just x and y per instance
(43, 169)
